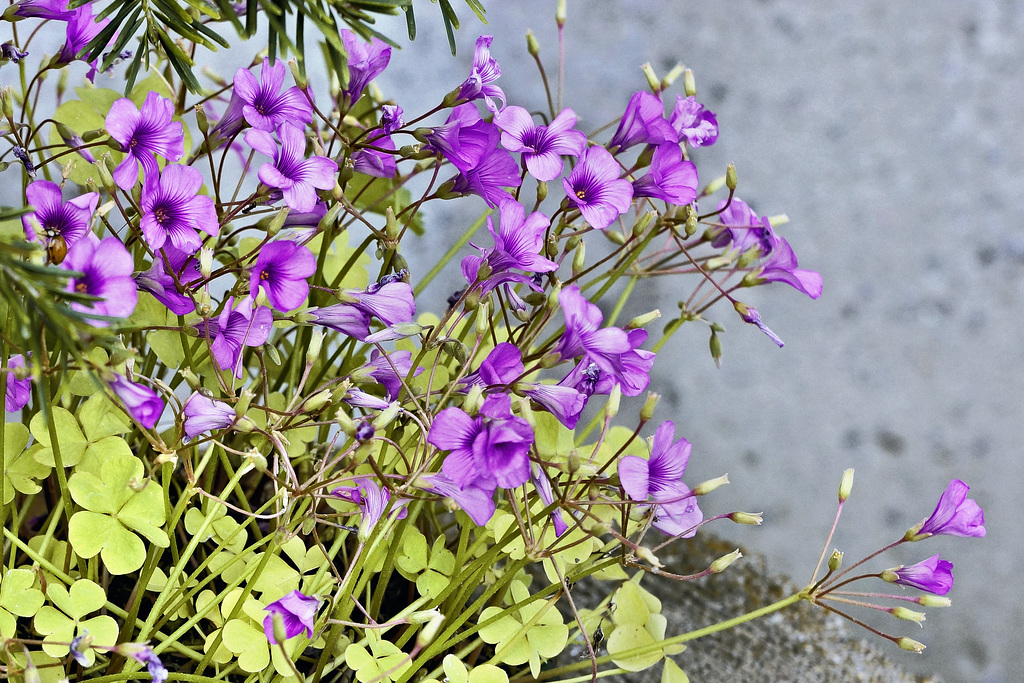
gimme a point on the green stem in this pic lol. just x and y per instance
(450, 254)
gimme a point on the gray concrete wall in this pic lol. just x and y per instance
(891, 135)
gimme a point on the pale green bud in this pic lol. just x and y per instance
(272, 354)
(542, 191)
(611, 408)
(751, 518)
(579, 259)
(345, 422)
(910, 645)
(317, 401)
(550, 360)
(205, 262)
(672, 75)
(640, 227)
(244, 401)
(934, 601)
(722, 563)
(689, 83)
(645, 554)
(835, 561)
(614, 236)
(427, 634)
(714, 186)
(277, 222)
(387, 415)
(907, 614)
(706, 487)
(474, 399)
(553, 296)
(201, 120)
(278, 628)
(647, 411)
(653, 82)
(483, 318)
(315, 345)
(560, 14)
(716, 348)
(330, 218)
(532, 46)
(392, 229)
(643, 320)
(7, 102)
(691, 225)
(730, 176)
(297, 74)
(846, 485)
(190, 378)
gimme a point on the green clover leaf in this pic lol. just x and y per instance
(637, 623)
(65, 620)
(431, 569)
(114, 513)
(21, 470)
(527, 633)
(49, 668)
(456, 672)
(383, 662)
(85, 450)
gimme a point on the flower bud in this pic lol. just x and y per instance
(907, 614)
(672, 75)
(551, 248)
(7, 102)
(614, 236)
(640, 227)
(387, 415)
(483, 319)
(103, 171)
(751, 518)
(364, 431)
(190, 378)
(910, 645)
(201, 120)
(645, 554)
(472, 300)
(579, 259)
(542, 191)
(647, 411)
(474, 399)
(31, 672)
(691, 225)
(532, 46)
(277, 222)
(706, 487)
(722, 563)
(330, 218)
(345, 422)
(835, 561)
(560, 14)
(317, 401)
(277, 621)
(315, 345)
(846, 485)
(550, 360)
(272, 354)
(933, 601)
(689, 84)
(427, 634)
(730, 176)
(244, 401)
(643, 320)
(553, 296)
(300, 80)
(392, 229)
(257, 460)
(716, 348)
(611, 408)
(653, 82)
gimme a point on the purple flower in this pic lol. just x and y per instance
(143, 134)
(344, 318)
(750, 315)
(372, 500)
(59, 220)
(671, 178)
(81, 29)
(237, 326)
(643, 122)
(19, 391)
(542, 146)
(955, 515)
(281, 269)
(543, 486)
(76, 647)
(693, 123)
(933, 575)
(106, 269)
(389, 299)
(613, 350)
(144, 655)
(203, 414)
(463, 127)
(375, 163)
(262, 104)
(485, 167)
(389, 370)
(595, 188)
(482, 76)
(298, 612)
(781, 266)
(502, 366)
(474, 500)
(490, 450)
(517, 244)
(565, 402)
(657, 479)
(56, 10)
(10, 51)
(293, 174)
(172, 208)
(366, 61)
(142, 402)
(391, 118)
(741, 227)
(161, 285)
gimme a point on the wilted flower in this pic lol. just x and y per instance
(145, 655)
(482, 76)
(141, 401)
(475, 500)
(144, 133)
(297, 612)
(19, 391)
(203, 414)
(372, 499)
(82, 28)
(373, 162)
(161, 285)
(391, 118)
(955, 515)
(933, 575)
(693, 123)
(11, 52)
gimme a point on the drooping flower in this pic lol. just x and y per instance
(262, 104)
(281, 269)
(482, 76)
(391, 118)
(659, 480)
(595, 188)
(933, 575)
(389, 299)
(517, 244)
(750, 316)
(373, 500)
(145, 655)
(781, 266)
(565, 402)
(693, 123)
(142, 402)
(144, 133)
(474, 500)
(373, 162)
(297, 177)
(19, 391)
(366, 61)
(955, 515)
(543, 486)
(388, 369)
(343, 317)
(173, 209)
(741, 228)
(158, 282)
(643, 122)
(106, 268)
(203, 414)
(297, 613)
(670, 178)
(237, 326)
(54, 10)
(613, 350)
(542, 147)
(81, 29)
(490, 450)
(10, 51)
(61, 222)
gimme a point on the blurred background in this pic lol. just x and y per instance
(892, 137)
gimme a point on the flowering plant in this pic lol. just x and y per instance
(232, 432)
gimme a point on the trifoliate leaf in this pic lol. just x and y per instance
(21, 470)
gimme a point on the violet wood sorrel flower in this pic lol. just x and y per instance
(740, 227)
(365, 62)
(203, 414)
(486, 167)
(19, 391)
(237, 326)
(372, 500)
(144, 133)
(595, 188)
(106, 268)
(173, 209)
(643, 122)
(82, 27)
(488, 451)
(693, 123)
(542, 147)
(144, 655)
(281, 270)
(670, 178)
(55, 10)
(933, 575)
(297, 177)
(781, 266)
(373, 162)
(658, 479)
(261, 103)
(955, 515)
(297, 613)
(388, 370)
(161, 285)
(475, 501)
(517, 244)
(482, 76)
(63, 223)
(142, 402)
(391, 118)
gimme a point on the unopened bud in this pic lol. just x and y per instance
(474, 399)
(933, 601)
(671, 76)
(647, 411)
(315, 345)
(846, 485)
(317, 401)
(689, 84)
(272, 354)
(472, 300)
(392, 229)
(550, 360)
(640, 227)
(278, 628)
(716, 348)
(645, 554)
(387, 415)
(277, 222)
(730, 176)
(579, 259)
(345, 422)
(424, 616)
(835, 561)
(691, 225)
(751, 518)
(31, 672)
(103, 171)
(560, 14)
(614, 236)
(643, 320)
(244, 401)
(190, 378)
(427, 634)
(483, 319)
(551, 248)
(653, 82)
(201, 120)
(611, 408)
(298, 74)
(907, 614)
(553, 296)
(542, 191)
(330, 218)
(7, 102)
(532, 46)
(364, 431)
(910, 645)
(706, 487)
(722, 563)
